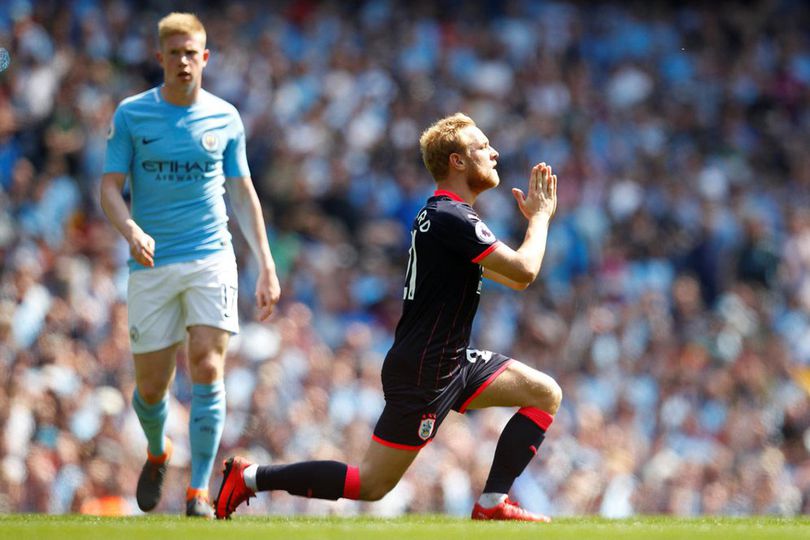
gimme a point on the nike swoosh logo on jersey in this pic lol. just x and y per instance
(145, 141)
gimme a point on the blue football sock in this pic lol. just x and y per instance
(206, 421)
(153, 422)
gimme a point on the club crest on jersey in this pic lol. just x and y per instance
(483, 233)
(210, 141)
(426, 426)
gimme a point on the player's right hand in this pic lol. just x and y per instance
(542, 196)
(142, 247)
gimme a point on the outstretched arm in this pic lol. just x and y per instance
(141, 245)
(518, 268)
(248, 212)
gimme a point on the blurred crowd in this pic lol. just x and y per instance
(673, 305)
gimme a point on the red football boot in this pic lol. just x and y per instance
(233, 490)
(508, 510)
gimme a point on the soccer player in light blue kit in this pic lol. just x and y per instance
(182, 148)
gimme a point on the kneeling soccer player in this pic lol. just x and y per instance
(429, 370)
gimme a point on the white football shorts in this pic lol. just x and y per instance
(162, 302)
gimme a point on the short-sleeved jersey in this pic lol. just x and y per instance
(177, 159)
(442, 289)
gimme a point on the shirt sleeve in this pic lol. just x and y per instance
(235, 164)
(463, 232)
(118, 157)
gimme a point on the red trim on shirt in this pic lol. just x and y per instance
(351, 487)
(397, 445)
(539, 417)
(446, 193)
(483, 387)
(486, 252)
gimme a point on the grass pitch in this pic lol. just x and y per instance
(155, 527)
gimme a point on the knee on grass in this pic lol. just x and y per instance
(375, 489)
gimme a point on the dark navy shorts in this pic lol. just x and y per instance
(412, 415)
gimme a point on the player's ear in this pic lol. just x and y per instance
(206, 54)
(456, 161)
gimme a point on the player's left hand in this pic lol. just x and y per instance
(542, 196)
(268, 292)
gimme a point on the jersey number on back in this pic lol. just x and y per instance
(423, 225)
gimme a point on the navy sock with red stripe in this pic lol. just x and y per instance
(319, 479)
(516, 447)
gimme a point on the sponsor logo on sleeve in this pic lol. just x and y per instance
(483, 233)
(111, 130)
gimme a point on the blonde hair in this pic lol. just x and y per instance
(180, 23)
(442, 139)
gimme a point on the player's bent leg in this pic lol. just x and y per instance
(207, 346)
(521, 386)
(206, 353)
(241, 480)
(539, 397)
(154, 372)
(380, 470)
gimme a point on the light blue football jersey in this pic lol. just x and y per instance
(177, 159)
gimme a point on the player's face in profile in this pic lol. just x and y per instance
(482, 159)
(183, 57)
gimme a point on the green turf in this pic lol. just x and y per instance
(25, 526)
